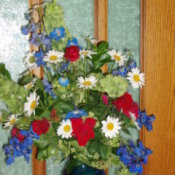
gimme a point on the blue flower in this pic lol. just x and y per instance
(57, 33)
(73, 42)
(48, 88)
(122, 71)
(33, 27)
(39, 58)
(38, 39)
(25, 30)
(63, 81)
(132, 64)
(145, 120)
(16, 149)
(76, 114)
(134, 156)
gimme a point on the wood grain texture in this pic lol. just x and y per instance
(39, 167)
(101, 27)
(158, 96)
(101, 19)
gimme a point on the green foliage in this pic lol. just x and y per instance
(13, 95)
(54, 18)
(4, 72)
(113, 86)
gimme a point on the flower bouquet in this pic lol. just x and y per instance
(78, 110)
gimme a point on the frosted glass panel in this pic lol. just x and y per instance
(13, 46)
(79, 18)
(124, 28)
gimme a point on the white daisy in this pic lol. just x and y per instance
(30, 61)
(111, 127)
(136, 78)
(65, 129)
(54, 57)
(31, 104)
(29, 85)
(87, 83)
(86, 53)
(117, 56)
(11, 122)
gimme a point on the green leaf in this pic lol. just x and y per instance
(24, 79)
(103, 47)
(64, 107)
(99, 61)
(4, 72)
(46, 114)
(42, 154)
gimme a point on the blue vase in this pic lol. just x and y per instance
(86, 170)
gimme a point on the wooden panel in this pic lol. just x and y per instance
(158, 96)
(100, 19)
(39, 167)
(101, 27)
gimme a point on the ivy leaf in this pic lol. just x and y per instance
(4, 72)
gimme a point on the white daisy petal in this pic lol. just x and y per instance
(30, 61)
(87, 83)
(12, 119)
(117, 56)
(65, 129)
(54, 57)
(111, 127)
(86, 53)
(136, 78)
(31, 104)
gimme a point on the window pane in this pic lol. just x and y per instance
(124, 28)
(12, 50)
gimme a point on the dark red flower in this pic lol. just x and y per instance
(126, 104)
(16, 133)
(83, 130)
(72, 53)
(40, 126)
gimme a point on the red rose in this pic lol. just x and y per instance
(126, 105)
(16, 133)
(83, 131)
(72, 53)
(40, 126)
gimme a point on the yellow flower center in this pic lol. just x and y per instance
(53, 57)
(12, 121)
(29, 86)
(110, 126)
(67, 128)
(84, 53)
(33, 105)
(117, 57)
(136, 78)
(87, 83)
